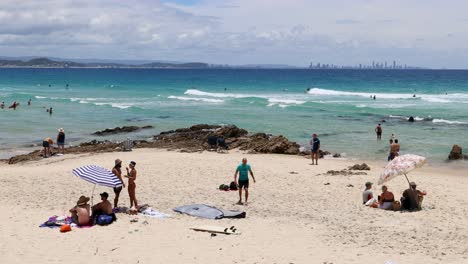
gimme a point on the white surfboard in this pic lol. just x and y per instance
(217, 229)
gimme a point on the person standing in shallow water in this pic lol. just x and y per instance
(315, 147)
(378, 131)
(131, 175)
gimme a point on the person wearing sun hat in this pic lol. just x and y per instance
(61, 140)
(118, 172)
(81, 212)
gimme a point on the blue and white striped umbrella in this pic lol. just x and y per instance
(97, 175)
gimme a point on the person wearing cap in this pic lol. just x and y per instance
(315, 147)
(118, 172)
(80, 213)
(367, 194)
(412, 198)
(102, 208)
(61, 140)
(131, 175)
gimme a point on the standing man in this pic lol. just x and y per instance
(243, 171)
(315, 147)
(378, 130)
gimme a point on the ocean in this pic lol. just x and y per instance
(335, 104)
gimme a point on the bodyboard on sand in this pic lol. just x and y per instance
(217, 229)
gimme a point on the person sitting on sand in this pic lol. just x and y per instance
(412, 198)
(102, 208)
(243, 171)
(118, 172)
(315, 147)
(367, 194)
(80, 212)
(386, 199)
(131, 175)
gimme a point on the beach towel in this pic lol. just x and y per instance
(200, 210)
(209, 212)
(57, 221)
(154, 213)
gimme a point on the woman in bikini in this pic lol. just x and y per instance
(131, 175)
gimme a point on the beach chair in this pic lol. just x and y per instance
(127, 145)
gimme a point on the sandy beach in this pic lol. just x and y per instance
(291, 218)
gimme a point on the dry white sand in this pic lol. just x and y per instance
(291, 218)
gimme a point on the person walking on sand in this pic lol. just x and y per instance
(378, 131)
(131, 175)
(61, 141)
(243, 171)
(118, 172)
(315, 148)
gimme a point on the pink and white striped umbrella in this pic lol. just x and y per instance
(401, 165)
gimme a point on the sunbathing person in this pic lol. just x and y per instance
(386, 199)
(80, 212)
(412, 198)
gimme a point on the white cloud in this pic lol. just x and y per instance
(240, 31)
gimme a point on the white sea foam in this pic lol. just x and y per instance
(432, 98)
(285, 101)
(117, 105)
(198, 99)
(448, 122)
(217, 95)
(40, 97)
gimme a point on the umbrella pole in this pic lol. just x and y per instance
(407, 179)
(92, 195)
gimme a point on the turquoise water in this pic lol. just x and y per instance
(337, 106)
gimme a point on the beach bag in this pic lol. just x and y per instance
(233, 186)
(104, 219)
(396, 206)
(65, 228)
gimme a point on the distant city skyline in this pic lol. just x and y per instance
(430, 33)
(375, 65)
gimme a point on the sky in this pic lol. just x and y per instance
(427, 33)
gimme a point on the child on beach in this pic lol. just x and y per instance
(243, 171)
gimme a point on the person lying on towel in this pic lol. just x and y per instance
(80, 212)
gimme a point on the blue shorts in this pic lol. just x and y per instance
(60, 143)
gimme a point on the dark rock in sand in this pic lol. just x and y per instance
(337, 155)
(456, 153)
(323, 153)
(344, 172)
(359, 167)
(118, 130)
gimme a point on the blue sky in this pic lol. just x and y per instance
(431, 33)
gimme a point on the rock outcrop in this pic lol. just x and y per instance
(456, 153)
(363, 166)
(119, 130)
